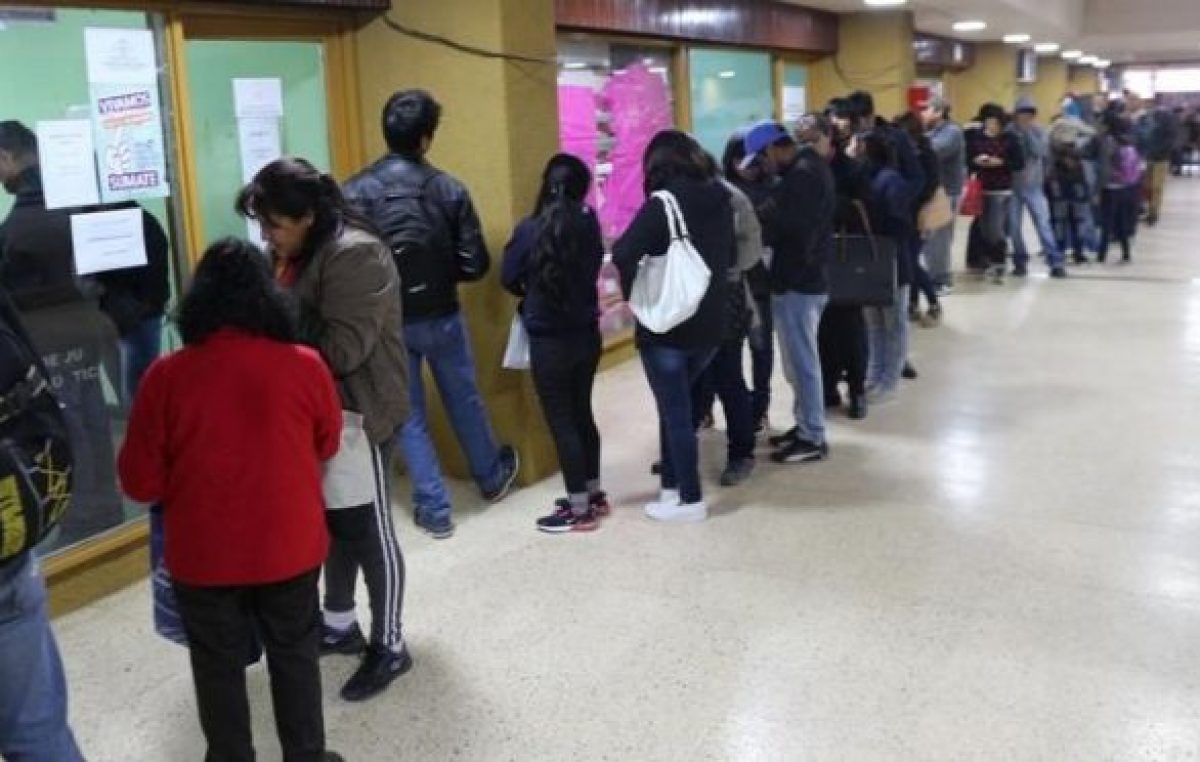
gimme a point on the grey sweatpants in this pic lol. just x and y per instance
(364, 537)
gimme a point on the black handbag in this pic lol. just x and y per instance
(862, 271)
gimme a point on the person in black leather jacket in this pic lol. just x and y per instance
(427, 218)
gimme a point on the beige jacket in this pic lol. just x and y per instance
(350, 310)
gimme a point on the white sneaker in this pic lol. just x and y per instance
(677, 513)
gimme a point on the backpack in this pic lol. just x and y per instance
(418, 234)
(1129, 166)
(36, 464)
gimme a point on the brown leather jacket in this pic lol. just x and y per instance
(350, 310)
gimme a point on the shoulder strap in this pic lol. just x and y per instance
(669, 208)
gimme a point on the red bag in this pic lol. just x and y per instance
(972, 200)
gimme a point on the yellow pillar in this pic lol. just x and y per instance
(992, 79)
(1052, 84)
(875, 53)
(499, 126)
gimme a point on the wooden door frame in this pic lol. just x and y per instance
(341, 92)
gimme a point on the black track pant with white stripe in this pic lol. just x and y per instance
(365, 537)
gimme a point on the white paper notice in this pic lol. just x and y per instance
(261, 143)
(68, 162)
(106, 241)
(795, 103)
(120, 56)
(258, 98)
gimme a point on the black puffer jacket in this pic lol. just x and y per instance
(427, 218)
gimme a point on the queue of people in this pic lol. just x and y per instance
(267, 441)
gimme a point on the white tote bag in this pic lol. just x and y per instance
(516, 354)
(349, 479)
(668, 289)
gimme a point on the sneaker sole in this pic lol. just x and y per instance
(690, 518)
(807, 458)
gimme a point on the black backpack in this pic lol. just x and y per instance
(418, 233)
(36, 464)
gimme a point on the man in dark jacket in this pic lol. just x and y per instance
(1161, 133)
(75, 339)
(427, 217)
(800, 234)
(33, 688)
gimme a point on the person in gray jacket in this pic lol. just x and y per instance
(349, 294)
(950, 146)
(1029, 192)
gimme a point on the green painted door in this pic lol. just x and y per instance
(212, 67)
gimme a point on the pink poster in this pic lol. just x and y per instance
(577, 131)
(640, 106)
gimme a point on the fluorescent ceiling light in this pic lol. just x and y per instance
(1088, 60)
(727, 74)
(1103, 63)
(1047, 47)
(1017, 39)
(575, 65)
(970, 26)
(884, 3)
(1071, 55)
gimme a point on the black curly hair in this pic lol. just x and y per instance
(234, 288)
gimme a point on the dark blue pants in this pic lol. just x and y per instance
(762, 359)
(671, 373)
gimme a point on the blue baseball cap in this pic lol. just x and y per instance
(761, 136)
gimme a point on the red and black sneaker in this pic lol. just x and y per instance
(600, 504)
(564, 519)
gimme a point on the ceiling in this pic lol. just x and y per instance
(1121, 30)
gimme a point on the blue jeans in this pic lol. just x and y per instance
(33, 688)
(938, 257)
(671, 373)
(443, 342)
(139, 348)
(798, 323)
(1033, 199)
(887, 341)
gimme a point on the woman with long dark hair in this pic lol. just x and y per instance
(552, 263)
(229, 435)
(349, 293)
(676, 163)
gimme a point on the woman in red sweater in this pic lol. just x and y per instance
(230, 435)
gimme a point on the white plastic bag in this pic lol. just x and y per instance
(349, 479)
(516, 354)
(668, 289)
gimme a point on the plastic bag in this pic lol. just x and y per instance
(516, 354)
(668, 289)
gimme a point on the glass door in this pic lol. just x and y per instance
(251, 101)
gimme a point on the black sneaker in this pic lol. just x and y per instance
(1058, 272)
(909, 372)
(656, 468)
(564, 519)
(600, 505)
(333, 756)
(1020, 271)
(737, 472)
(512, 466)
(785, 439)
(438, 530)
(348, 642)
(380, 666)
(858, 407)
(801, 451)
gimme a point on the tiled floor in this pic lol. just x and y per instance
(1003, 565)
